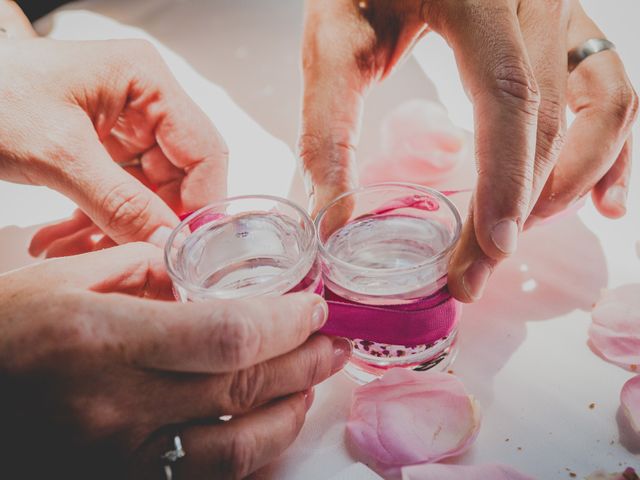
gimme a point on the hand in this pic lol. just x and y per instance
(98, 371)
(74, 111)
(512, 58)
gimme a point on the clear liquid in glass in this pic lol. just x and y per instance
(246, 255)
(384, 243)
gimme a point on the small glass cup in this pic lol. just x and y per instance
(243, 247)
(389, 244)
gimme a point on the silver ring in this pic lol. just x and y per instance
(589, 47)
(172, 456)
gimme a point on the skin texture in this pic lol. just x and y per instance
(98, 368)
(103, 105)
(101, 364)
(512, 59)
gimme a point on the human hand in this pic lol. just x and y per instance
(13, 22)
(512, 58)
(75, 111)
(98, 371)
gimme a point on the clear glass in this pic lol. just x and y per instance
(389, 244)
(243, 247)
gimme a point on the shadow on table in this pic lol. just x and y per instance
(559, 267)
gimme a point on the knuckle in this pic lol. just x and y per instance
(551, 132)
(238, 459)
(514, 83)
(622, 103)
(237, 337)
(129, 210)
(318, 367)
(244, 388)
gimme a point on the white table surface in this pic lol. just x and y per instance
(523, 348)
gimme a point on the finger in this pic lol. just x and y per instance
(119, 204)
(74, 244)
(167, 179)
(495, 70)
(233, 449)
(610, 193)
(297, 371)
(333, 99)
(134, 269)
(544, 26)
(47, 235)
(196, 397)
(190, 141)
(208, 337)
(605, 104)
(469, 268)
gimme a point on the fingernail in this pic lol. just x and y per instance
(475, 279)
(160, 236)
(319, 315)
(505, 236)
(617, 195)
(341, 353)
(309, 395)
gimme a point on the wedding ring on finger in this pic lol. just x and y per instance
(172, 456)
(586, 49)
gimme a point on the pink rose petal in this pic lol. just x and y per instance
(630, 400)
(439, 471)
(419, 144)
(409, 417)
(615, 327)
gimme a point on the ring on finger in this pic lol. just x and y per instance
(172, 456)
(586, 49)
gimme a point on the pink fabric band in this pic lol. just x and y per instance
(419, 323)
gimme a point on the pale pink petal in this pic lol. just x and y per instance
(439, 471)
(630, 400)
(409, 417)
(419, 144)
(615, 328)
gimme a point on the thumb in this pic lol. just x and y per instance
(117, 202)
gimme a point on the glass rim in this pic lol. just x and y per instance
(192, 287)
(324, 253)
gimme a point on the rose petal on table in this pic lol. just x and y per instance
(615, 329)
(409, 417)
(630, 400)
(419, 144)
(439, 471)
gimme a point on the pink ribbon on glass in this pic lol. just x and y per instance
(419, 323)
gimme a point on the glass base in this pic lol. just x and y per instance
(438, 357)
